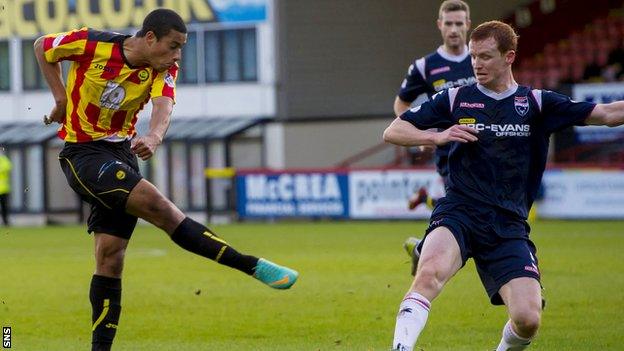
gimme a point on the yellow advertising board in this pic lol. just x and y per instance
(28, 18)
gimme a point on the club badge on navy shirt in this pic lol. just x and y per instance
(521, 104)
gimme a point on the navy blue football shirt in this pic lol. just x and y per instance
(431, 74)
(505, 166)
(436, 72)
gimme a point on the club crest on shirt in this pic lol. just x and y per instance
(521, 104)
(143, 75)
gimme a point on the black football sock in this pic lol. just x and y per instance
(198, 239)
(105, 296)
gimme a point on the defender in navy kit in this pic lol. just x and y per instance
(499, 133)
(447, 67)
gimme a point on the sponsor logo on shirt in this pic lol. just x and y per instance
(439, 84)
(101, 67)
(113, 96)
(521, 104)
(467, 120)
(442, 84)
(471, 104)
(169, 80)
(439, 70)
(500, 130)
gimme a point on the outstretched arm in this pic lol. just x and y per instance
(611, 115)
(145, 146)
(52, 74)
(403, 133)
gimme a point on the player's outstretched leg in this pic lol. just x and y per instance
(197, 238)
(410, 245)
(421, 197)
(145, 201)
(417, 198)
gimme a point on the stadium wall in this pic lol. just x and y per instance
(348, 57)
(581, 193)
(325, 142)
(345, 60)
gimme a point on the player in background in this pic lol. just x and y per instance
(500, 134)
(111, 78)
(5, 186)
(447, 67)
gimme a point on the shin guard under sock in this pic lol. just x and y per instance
(105, 296)
(196, 238)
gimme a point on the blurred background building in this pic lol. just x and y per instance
(291, 84)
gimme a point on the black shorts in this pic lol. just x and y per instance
(499, 243)
(103, 174)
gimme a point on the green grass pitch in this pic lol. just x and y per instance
(353, 276)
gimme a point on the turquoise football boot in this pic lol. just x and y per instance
(274, 275)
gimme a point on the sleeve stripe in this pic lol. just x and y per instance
(74, 36)
(73, 127)
(167, 89)
(452, 93)
(537, 94)
(67, 38)
(47, 43)
(163, 83)
(420, 65)
(60, 46)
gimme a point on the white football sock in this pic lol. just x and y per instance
(413, 313)
(511, 341)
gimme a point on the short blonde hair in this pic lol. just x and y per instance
(454, 5)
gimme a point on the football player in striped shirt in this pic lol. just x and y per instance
(111, 78)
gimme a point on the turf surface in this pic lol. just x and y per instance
(353, 276)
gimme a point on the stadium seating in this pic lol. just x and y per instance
(572, 44)
(558, 44)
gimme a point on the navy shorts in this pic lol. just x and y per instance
(103, 174)
(498, 242)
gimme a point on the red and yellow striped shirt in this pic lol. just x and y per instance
(104, 93)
